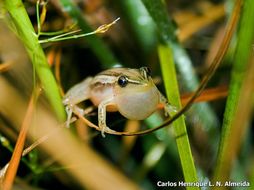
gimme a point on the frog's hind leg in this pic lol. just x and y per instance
(78, 93)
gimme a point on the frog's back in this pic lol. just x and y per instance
(78, 92)
(117, 72)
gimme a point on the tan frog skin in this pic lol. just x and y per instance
(132, 92)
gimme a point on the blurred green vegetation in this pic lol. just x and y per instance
(213, 141)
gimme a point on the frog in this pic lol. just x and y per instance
(130, 91)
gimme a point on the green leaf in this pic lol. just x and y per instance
(26, 33)
(171, 85)
(232, 130)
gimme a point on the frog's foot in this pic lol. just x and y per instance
(169, 109)
(104, 128)
(72, 109)
(69, 111)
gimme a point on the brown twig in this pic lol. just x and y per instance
(57, 69)
(207, 95)
(5, 66)
(209, 15)
(54, 59)
(17, 153)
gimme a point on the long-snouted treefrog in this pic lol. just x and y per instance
(132, 92)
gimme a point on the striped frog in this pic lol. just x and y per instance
(132, 92)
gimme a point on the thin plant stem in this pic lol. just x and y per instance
(38, 17)
(100, 49)
(25, 31)
(65, 36)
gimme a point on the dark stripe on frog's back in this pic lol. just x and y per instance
(116, 72)
(133, 74)
(101, 81)
(110, 77)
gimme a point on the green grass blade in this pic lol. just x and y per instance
(26, 33)
(251, 175)
(152, 158)
(141, 24)
(100, 49)
(232, 134)
(171, 85)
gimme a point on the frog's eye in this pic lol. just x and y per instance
(122, 81)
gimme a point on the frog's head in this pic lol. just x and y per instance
(136, 95)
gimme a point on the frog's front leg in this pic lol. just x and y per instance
(168, 108)
(102, 116)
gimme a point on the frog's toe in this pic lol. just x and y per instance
(169, 109)
(69, 114)
(106, 129)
